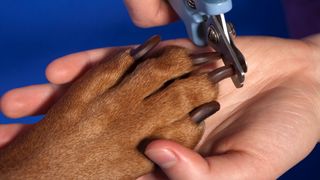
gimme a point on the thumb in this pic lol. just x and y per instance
(176, 161)
(180, 163)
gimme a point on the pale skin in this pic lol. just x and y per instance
(261, 131)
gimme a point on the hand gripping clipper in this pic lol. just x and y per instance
(206, 26)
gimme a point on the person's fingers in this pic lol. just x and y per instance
(9, 131)
(30, 100)
(178, 162)
(67, 68)
(157, 13)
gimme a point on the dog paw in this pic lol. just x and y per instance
(100, 126)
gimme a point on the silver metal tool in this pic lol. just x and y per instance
(206, 26)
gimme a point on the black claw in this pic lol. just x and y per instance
(204, 111)
(146, 47)
(202, 58)
(203, 69)
(220, 74)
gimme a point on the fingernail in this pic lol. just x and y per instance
(163, 157)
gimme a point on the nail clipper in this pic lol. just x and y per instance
(206, 26)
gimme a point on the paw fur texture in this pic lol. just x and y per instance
(98, 129)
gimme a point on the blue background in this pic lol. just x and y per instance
(34, 32)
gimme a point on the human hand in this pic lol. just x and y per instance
(159, 12)
(262, 130)
(275, 84)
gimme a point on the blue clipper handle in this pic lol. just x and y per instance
(193, 13)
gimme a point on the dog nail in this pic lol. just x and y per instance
(204, 57)
(204, 111)
(146, 47)
(220, 74)
(205, 68)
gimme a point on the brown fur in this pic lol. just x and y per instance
(94, 131)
